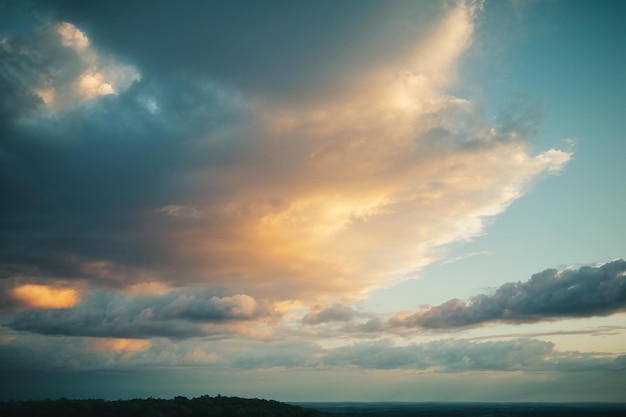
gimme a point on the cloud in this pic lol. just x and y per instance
(175, 314)
(102, 178)
(448, 356)
(195, 177)
(551, 294)
(335, 312)
(598, 331)
(43, 296)
(119, 345)
(18, 294)
(56, 68)
(71, 354)
(467, 256)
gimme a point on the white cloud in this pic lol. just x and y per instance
(60, 66)
(72, 37)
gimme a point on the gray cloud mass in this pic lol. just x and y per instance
(175, 315)
(551, 294)
(335, 312)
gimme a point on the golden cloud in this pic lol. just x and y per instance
(119, 345)
(361, 191)
(45, 296)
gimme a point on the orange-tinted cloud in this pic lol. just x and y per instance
(119, 345)
(45, 296)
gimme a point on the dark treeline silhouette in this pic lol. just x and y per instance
(204, 406)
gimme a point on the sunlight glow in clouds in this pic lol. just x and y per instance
(364, 189)
(81, 76)
(119, 345)
(45, 296)
(72, 37)
(314, 202)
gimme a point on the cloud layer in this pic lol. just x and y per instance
(439, 357)
(549, 295)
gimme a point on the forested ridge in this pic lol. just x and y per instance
(204, 406)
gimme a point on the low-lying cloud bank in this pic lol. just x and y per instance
(443, 356)
(548, 295)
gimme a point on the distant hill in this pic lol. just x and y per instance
(204, 406)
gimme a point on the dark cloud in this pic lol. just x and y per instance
(26, 62)
(336, 312)
(176, 315)
(54, 64)
(277, 48)
(551, 294)
(82, 183)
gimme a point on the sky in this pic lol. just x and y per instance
(313, 201)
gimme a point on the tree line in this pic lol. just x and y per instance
(204, 406)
